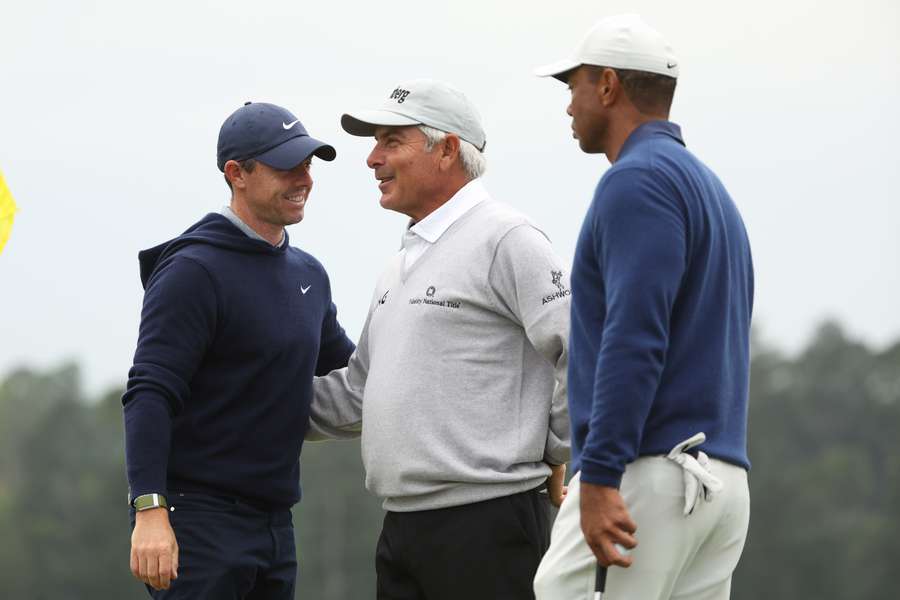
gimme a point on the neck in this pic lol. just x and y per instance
(268, 231)
(622, 130)
(438, 198)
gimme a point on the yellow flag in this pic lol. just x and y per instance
(7, 212)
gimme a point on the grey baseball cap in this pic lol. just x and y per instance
(421, 102)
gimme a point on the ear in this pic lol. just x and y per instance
(608, 87)
(449, 151)
(235, 174)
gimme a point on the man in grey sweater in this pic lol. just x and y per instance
(458, 384)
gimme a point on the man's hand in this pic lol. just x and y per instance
(605, 522)
(555, 486)
(154, 551)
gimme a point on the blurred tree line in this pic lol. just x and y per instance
(825, 486)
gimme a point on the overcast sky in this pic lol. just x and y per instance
(111, 109)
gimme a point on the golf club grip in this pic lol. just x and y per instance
(600, 582)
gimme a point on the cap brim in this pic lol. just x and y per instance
(364, 122)
(560, 69)
(291, 153)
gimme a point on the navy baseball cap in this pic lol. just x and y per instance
(269, 134)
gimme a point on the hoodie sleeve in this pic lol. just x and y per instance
(335, 347)
(178, 322)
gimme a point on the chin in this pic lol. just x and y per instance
(589, 148)
(294, 218)
(389, 204)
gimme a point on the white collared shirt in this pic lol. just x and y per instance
(419, 237)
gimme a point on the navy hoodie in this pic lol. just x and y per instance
(232, 332)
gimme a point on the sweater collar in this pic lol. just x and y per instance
(648, 131)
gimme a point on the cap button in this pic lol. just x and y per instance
(247, 102)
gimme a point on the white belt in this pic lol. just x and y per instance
(698, 478)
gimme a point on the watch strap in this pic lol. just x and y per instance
(148, 501)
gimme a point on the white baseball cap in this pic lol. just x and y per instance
(620, 42)
(421, 102)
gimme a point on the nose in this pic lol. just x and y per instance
(569, 110)
(375, 159)
(302, 176)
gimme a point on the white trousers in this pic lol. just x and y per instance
(678, 556)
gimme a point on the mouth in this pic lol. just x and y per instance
(384, 182)
(298, 198)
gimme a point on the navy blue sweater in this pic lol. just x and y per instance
(662, 293)
(232, 332)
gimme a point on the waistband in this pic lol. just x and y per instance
(188, 487)
(208, 504)
(534, 491)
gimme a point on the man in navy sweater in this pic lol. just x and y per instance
(234, 326)
(662, 294)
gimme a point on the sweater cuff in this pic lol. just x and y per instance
(597, 475)
(556, 452)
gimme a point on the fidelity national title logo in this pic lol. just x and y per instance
(432, 299)
(563, 291)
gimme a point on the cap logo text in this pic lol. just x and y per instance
(399, 95)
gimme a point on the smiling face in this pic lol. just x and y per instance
(408, 174)
(267, 199)
(275, 197)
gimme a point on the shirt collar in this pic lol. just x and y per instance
(432, 227)
(649, 130)
(249, 231)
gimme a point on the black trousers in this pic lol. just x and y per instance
(229, 550)
(487, 550)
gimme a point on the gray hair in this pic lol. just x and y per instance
(472, 159)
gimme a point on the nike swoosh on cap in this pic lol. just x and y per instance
(286, 126)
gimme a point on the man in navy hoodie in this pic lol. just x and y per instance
(662, 293)
(235, 324)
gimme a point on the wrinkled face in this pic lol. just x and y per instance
(278, 197)
(589, 117)
(407, 173)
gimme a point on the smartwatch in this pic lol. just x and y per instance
(148, 501)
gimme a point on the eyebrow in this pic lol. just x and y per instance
(387, 135)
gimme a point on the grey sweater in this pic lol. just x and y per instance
(458, 383)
